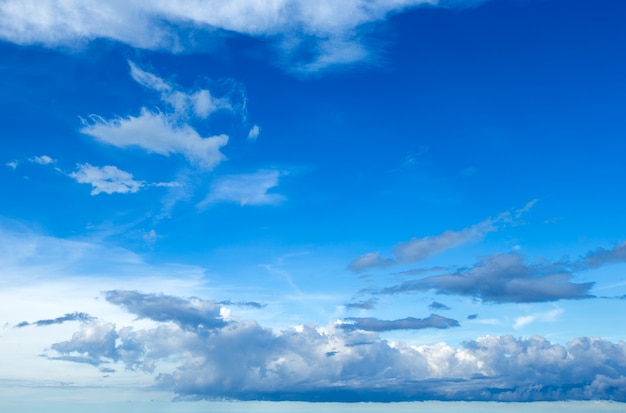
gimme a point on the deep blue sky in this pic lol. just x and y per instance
(362, 195)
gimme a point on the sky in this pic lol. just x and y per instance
(286, 200)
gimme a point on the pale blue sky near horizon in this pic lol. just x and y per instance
(314, 201)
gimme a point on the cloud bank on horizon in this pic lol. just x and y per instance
(286, 199)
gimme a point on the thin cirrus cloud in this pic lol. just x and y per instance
(334, 31)
(245, 189)
(502, 278)
(419, 249)
(243, 360)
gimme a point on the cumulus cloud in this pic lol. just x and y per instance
(243, 360)
(333, 31)
(108, 179)
(245, 189)
(419, 249)
(190, 313)
(502, 278)
(409, 323)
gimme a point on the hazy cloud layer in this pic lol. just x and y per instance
(502, 278)
(243, 360)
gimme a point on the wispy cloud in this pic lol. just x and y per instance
(548, 316)
(59, 320)
(245, 189)
(419, 249)
(502, 278)
(169, 132)
(333, 32)
(107, 179)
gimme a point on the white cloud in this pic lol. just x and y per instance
(334, 26)
(254, 133)
(12, 164)
(245, 189)
(200, 103)
(548, 316)
(157, 133)
(107, 179)
(243, 360)
(42, 160)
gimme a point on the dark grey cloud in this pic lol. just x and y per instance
(82, 317)
(438, 306)
(409, 323)
(502, 278)
(472, 316)
(188, 313)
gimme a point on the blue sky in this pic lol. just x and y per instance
(314, 201)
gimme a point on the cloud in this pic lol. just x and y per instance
(200, 103)
(438, 306)
(339, 362)
(502, 278)
(108, 179)
(193, 313)
(245, 189)
(409, 323)
(12, 164)
(363, 305)
(95, 340)
(370, 261)
(157, 133)
(602, 256)
(42, 160)
(331, 32)
(252, 304)
(549, 316)
(59, 320)
(419, 249)
(254, 133)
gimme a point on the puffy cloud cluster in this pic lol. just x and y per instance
(243, 360)
(333, 30)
